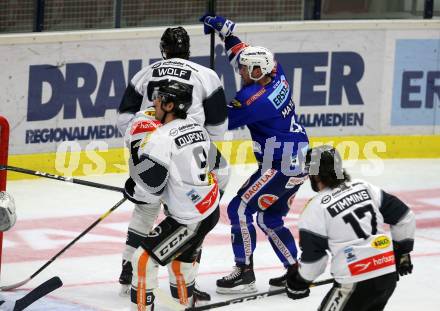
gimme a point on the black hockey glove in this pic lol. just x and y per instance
(296, 286)
(403, 264)
(403, 259)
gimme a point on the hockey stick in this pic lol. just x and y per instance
(16, 285)
(172, 304)
(211, 11)
(38, 292)
(61, 178)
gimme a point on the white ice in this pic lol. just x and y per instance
(52, 213)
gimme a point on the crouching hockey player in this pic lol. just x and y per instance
(208, 109)
(264, 104)
(347, 219)
(169, 163)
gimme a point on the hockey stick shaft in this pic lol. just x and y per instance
(16, 285)
(251, 297)
(211, 11)
(38, 292)
(61, 178)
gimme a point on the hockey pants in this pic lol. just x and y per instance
(267, 195)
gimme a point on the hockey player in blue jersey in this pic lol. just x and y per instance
(265, 106)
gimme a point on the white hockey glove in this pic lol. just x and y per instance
(224, 27)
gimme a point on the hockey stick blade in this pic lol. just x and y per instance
(251, 297)
(15, 285)
(38, 292)
(94, 224)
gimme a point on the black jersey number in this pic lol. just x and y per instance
(202, 161)
(134, 149)
(360, 213)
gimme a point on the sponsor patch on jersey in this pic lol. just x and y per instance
(381, 242)
(187, 127)
(266, 200)
(280, 94)
(295, 181)
(348, 201)
(172, 71)
(349, 254)
(236, 104)
(189, 138)
(258, 185)
(326, 199)
(150, 111)
(144, 126)
(254, 97)
(173, 132)
(372, 263)
(209, 200)
(193, 196)
(211, 178)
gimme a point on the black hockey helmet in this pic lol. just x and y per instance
(326, 163)
(177, 92)
(175, 43)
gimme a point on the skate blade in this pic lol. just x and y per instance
(200, 303)
(124, 291)
(273, 287)
(240, 289)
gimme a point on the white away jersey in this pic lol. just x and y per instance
(349, 222)
(209, 103)
(169, 163)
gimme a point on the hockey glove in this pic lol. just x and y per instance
(403, 264)
(224, 27)
(296, 286)
(403, 259)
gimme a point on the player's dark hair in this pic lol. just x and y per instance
(175, 43)
(326, 163)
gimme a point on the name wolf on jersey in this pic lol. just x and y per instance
(171, 71)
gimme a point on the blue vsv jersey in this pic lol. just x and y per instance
(269, 113)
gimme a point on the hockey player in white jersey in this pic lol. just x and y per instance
(208, 109)
(170, 164)
(348, 220)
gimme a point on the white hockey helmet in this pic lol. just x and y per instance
(8, 217)
(257, 56)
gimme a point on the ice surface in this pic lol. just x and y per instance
(52, 213)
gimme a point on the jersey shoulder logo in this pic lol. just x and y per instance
(144, 126)
(172, 71)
